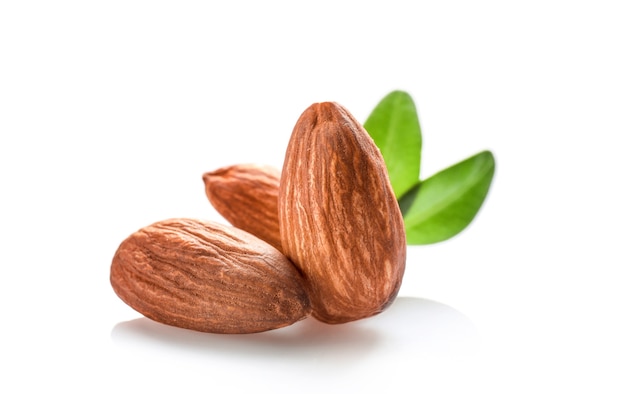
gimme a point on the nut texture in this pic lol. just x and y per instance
(208, 277)
(339, 220)
(247, 196)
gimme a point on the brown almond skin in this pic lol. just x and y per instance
(247, 196)
(208, 277)
(339, 220)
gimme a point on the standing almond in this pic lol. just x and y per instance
(208, 277)
(247, 196)
(339, 220)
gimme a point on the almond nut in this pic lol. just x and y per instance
(339, 220)
(208, 277)
(247, 196)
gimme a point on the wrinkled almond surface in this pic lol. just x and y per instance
(247, 196)
(208, 277)
(339, 220)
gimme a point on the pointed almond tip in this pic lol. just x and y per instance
(325, 111)
(326, 106)
(210, 175)
(206, 177)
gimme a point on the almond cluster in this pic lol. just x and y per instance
(323, 238)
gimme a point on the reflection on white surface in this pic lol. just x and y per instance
(386, 353)
(411, 326)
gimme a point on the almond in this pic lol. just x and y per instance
(209, 277)
(339, 220)
(246, 195)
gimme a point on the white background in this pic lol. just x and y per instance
(111, 111)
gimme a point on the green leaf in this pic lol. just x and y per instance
(395, 128)
(443, 205)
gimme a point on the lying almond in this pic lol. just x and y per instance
(208, 277)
